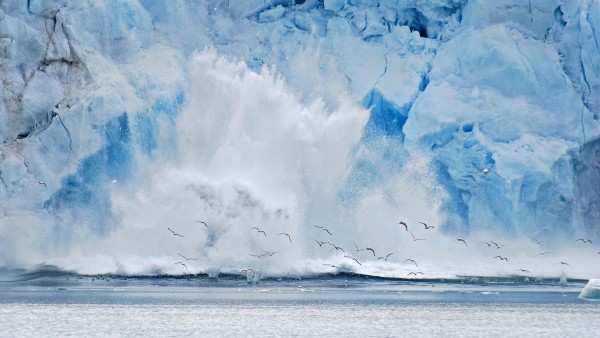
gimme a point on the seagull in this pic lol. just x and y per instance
(174, 233)
(324, 229)
(331, 265)
(415, 273)
(488, 243)
(247, 270)
(339, 248)
(386, 256)
(537, 241)
(427, 226)
(565, 263)
(502, 258)
(525, 270)
(486, 171)
(43, 183)
(365, 249)
(270, 253)
(415, 238)
(584, 240)
(411, 260)
(498, 246)
(257, 229)
(206, 225)
(257, 256)
(185, 266)
(321, 243)
(286, 234)
(187, 258)
(356, 260)
(405, 225)
(544, 252)
(461, 240)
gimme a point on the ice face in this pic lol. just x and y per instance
(483, 116)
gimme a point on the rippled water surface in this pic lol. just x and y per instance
(353, 308)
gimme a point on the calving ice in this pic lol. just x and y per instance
(124, 122)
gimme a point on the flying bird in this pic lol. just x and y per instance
(525, 270)
(174, 233)
(386, 256)
(427, 226)
(565, 263)
(544, 252)
(187, 258)
(354, 259)
(185, 266)
(405, 225)
(415, 273)
(411, 260)
(246, 271)
(487, 171)
(461, 240)
(321, 243)
(331, 265)
(584, 240)
(324, 229)
(43, 183)
(286, 234)
(502, 258)
(339, 248)
(257, 229)
(498, 246)
(206, 225)
(365, 249)
(415, 238)
(270, 253)
(537, 241)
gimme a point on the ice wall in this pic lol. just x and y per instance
(97, 99)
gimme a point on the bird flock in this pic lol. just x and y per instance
(324, 239)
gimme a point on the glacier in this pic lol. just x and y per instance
(121, 118)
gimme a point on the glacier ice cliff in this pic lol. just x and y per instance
(126, 116)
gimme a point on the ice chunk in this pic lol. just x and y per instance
(41, 94)
(271, 14)
(534, 16)
(591, 291)
(334, 5)
(12, 170)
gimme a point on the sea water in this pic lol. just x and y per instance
(317, 307)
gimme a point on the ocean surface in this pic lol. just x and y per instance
(63, 305)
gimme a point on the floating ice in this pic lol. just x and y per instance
(591, 291)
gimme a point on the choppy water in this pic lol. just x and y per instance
(324, 307)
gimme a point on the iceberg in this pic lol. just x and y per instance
(591, 291)
(122, 118)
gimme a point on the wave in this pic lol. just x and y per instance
(53, 276)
